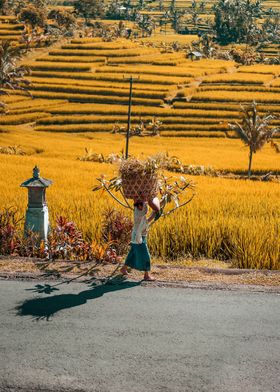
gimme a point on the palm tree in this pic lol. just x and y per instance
(255, 131)
(11, 75)
(146, 24)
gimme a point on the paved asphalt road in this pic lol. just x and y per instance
(128, 338)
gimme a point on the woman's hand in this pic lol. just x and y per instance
(151, 217)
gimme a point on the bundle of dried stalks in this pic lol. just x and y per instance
(139, 178)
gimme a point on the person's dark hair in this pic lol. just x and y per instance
(138, 204)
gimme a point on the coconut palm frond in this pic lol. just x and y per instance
(240, 131)
(11, 75)
(255, 130)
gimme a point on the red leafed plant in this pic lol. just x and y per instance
(117, 227)
(9, 237)
(66, 241)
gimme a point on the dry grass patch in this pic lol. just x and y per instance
(194, 127)
(49, 66)
(21, 118)
(152, 70)
(14, 98)
(96, 91)
(239, 78)
(104, 52)
(234, 96)
(75, 128)
(146, 79)
(261, 69)
(238, 88)
(86, 40)
(276, 83)
(98, 83)
(117, 45)
(193, 134)
(86, 98)
(222, 107)
(72, 59)
(205, 106)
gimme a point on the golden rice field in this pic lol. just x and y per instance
(236, 219)
(80, 92)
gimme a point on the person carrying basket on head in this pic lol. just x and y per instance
(139, 256)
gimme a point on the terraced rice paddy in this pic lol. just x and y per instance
(190, 98)
(78, 99)
(10, 29)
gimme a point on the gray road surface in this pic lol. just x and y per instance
(128, 338)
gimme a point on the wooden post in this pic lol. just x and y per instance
(131, 80)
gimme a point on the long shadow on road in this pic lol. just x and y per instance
(44, 308)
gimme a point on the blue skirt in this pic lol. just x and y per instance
(139, 256)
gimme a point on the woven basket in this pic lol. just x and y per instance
(140, 187)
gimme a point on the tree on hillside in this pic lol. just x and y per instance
(235, 20)
(4, 7)
(16, 6)
(271, 28)
(194, 11)
(65, 20)
(116, 10)
(255, 131)
(33, 16)
(89, 9)
(202, 6)
(176, 20)
(141, 4)
(146, 24)
(172, 7)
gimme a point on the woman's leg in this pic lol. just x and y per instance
(123, 270)
(147, 264)
(148, 277)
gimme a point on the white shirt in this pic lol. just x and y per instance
(140, 225)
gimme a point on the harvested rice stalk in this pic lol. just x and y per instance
(139, 178)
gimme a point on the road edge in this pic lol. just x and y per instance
(159, 283)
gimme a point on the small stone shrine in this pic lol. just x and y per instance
(37, 214)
